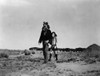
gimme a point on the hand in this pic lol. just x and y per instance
(47, 41)
(39, 43)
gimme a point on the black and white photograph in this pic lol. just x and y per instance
(49, 37)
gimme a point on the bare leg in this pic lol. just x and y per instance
(55, 54)
(56, 57)
(50, 57)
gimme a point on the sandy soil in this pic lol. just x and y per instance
(69, 64)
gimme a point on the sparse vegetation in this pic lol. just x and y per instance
(26, 52)
(3, 55)
(71, 62)
(33, 52)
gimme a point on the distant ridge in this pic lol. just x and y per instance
(35, 48)
(93, 47)
(93, 50)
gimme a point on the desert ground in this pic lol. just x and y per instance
(69, 64)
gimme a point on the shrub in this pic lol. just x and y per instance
(26, 52)
(33, 52)
(3, 55)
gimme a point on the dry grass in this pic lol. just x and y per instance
(69, 64)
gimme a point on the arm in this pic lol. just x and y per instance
(50, 34)
(41, 37)
(56, 40)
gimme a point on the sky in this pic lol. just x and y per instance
(76, 22)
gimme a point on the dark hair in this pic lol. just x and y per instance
(54, 33)
(46, 24)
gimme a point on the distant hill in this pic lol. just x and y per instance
(93, 49)
(60, 49)
(35, 48)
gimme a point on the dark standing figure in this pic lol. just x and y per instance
(45, 37)
(53, 46)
